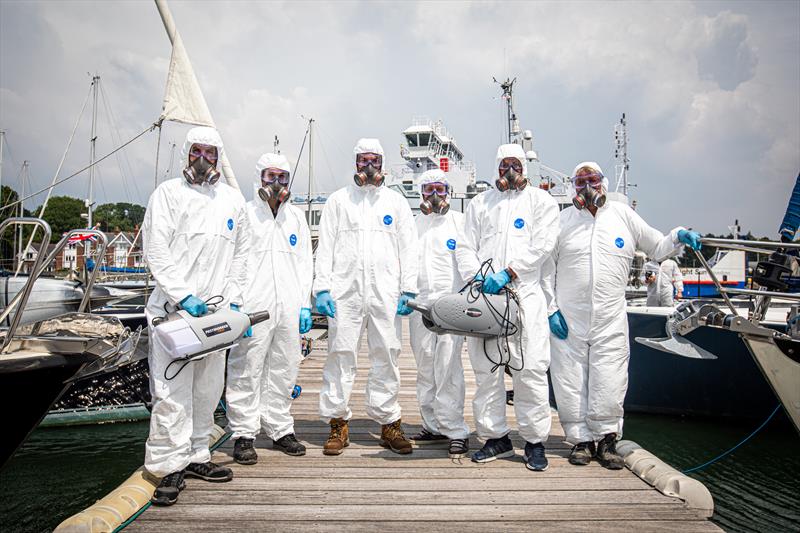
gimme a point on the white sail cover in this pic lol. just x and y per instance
(184, 101)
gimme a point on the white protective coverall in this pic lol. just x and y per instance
(516, 229)
(194, 243)
(585, 279)
(669, 281)
(262, 369)
(440, 374)
(366, 257)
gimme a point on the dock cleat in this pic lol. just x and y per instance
(289, 445)
(534, 457)
(427, 437)
(392, 437)
(243, 451)
(607, 453)
(494, 449)
(458, 448)
(167, 491)
(582, 453)
(339, 438)
(209, 472)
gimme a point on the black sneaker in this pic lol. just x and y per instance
(427, 437)
(167, 491)
(582, 453)
(458, 448)
(209, 472)
(607, 453)
(494, 449)
(534, 457)
(243, 451)
(289, 445)
(510, 397)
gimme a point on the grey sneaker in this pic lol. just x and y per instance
(607, 453)
(458, 448)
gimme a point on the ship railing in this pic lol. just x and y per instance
(762, 276)
(40, 264)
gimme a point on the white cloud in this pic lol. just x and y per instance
(709, 92)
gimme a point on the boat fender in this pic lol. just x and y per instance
(666, 479)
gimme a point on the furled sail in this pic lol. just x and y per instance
(183, 100)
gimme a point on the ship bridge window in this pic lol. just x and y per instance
(411, 138)
(424, 139)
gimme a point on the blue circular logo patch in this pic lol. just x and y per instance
(230, 224)
(292, 239)
(451, 243)
(519, 223)
(387, 220)
(619, 242)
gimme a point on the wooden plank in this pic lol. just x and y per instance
(364, 472)
(554, 526)
(530, 483)
(234, 512)
(385, 497)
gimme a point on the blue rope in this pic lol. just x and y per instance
(725, 454)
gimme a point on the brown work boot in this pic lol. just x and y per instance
(392, 437)
(339, 438)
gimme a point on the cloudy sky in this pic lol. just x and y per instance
(711, 90)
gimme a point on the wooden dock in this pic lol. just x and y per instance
(369, 488)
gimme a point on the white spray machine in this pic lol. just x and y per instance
(190, 338)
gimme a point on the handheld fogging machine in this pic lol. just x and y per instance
(190, 338)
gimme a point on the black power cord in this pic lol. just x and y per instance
(503, 318)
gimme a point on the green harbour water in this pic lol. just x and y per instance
(61, 471)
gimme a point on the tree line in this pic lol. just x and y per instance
(63, 213)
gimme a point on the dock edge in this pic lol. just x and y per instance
(118, 506)
(666, 479)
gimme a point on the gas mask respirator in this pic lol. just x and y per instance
(369, 175)
(511, 179)
(434, 203)
(589, 196)
(200, 171)
(275, 192)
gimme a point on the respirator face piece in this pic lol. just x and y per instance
(434, 198)
(368, 170)
(589, 191)
(202, 165)
(511, 175)
(274, 185)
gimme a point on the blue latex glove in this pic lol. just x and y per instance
(558, 326)
(402, 308)
(249, 332)
(496, 281)
(90, 264)
(325, 304)
(305, 320)
(194, 305)
(690, 239)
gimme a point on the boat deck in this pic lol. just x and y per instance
(369, 488)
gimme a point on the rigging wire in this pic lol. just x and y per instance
(84, 169)
(123, 156)
(299, 155)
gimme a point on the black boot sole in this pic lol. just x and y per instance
(580, 462)
(610, 465)
(208, 478)
(246, 461)
(165, 501)
(287, 452)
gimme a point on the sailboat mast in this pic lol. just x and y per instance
(20, 236)
(2, 141)
(310, 165)
(92, 149)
